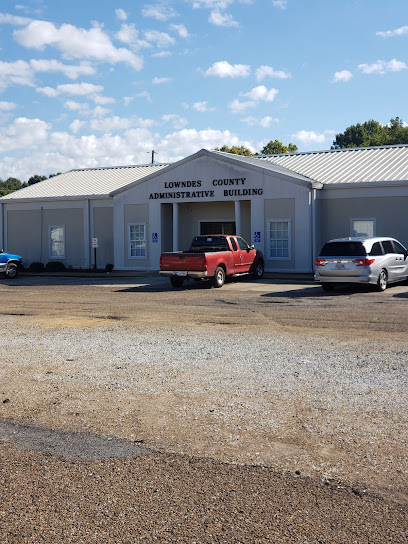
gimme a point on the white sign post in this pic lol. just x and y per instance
(95, 245)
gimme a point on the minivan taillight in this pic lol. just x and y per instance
(363, 262)
(320, 262)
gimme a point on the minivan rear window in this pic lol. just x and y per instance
(343, 249)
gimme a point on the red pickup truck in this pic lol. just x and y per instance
(213, 257)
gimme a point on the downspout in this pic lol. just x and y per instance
(90, 234)
(41, 233)
(313, 227)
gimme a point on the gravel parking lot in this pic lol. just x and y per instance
(260, 412)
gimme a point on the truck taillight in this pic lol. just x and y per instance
(363, 262)
(320, 262)
(204, 263)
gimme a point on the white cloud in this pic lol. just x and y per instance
(80, 107)
(311, 137)
(71, 71)
(39, 150)
(218, 18)
(160, 12)
(76, 43)
(261, 93)
(281, 4)
(268, 71)
(76, 126)
(177, 121)
(161, 54)
(130, 35)
(23, 134)
(202, 107)
(7, 106)
(121, 14)
(98, 111)
(391, 33)
(237, 107)
(225, 69)
(161, 39)
(264, 122)
(112, 124)
(343, 75)
(14, 19)
(181, 30)
(78, 89)
(144, 94)
(16, 73)
(211, 4)
(382, 67)
(160, 80)
(98, 99)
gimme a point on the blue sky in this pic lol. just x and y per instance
(86, 83)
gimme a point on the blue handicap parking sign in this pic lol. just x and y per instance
(257, 237)
(155, 237)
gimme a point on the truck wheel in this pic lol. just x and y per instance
(219, 278)
(176, 281)
(11, 271)
(259, 270)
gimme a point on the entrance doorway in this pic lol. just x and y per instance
(217, 227)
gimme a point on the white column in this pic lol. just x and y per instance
(175, 226)
(238, 227)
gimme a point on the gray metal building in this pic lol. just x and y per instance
(286, 205)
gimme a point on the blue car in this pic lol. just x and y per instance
(10, 265)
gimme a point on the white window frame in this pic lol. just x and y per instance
(138, 224)
(354, 219)
(289, 240)
(50, 242)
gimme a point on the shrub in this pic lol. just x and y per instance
(54, 266)
(109, 267)
(36, 267)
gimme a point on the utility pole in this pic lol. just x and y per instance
(153, 154)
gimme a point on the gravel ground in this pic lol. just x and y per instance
(136, 414)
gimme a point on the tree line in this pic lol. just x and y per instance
(14, 184)
(370, 133)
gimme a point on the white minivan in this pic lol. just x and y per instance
(376, 261)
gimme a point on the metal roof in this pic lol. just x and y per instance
(385, 164)
(89, 182)
(357, 165)
(271, 166)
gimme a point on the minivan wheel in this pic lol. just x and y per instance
(382, 280)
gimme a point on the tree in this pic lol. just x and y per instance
(36, 179)
(235, 150)
(277, 148)
(10, 185)
(372, 133)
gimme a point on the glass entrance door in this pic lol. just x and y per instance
(217, 227)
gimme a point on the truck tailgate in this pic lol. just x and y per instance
(183, 261)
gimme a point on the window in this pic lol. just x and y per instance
(363, 227)
(399, 248)
(234, 245)
(388, 247)
(376, 249)
(57, 242)
(279, 239)
(137, 240)
(242, 244)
